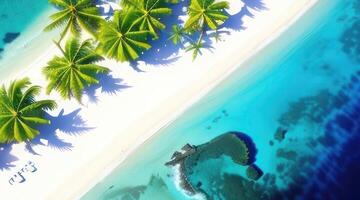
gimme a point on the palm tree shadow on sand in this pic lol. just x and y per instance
(108, 85)
(235, 22)
(105, 8)
(6, 158)
(163, 52)
(70, 124)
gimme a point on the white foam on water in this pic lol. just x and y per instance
(177, 182)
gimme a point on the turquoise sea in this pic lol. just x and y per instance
(21, 26)
(16, 16)
(306, 82)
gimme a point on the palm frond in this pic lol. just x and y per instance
(20, 112)
(75, 70)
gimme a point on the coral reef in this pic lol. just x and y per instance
(253, 172)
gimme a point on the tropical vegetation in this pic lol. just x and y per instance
(74, 70)
(206, 13)
(148, 13)
(20, 112)
(123, 38)
(119, 39)
(203, 15)
(177, 34)
(75, 15)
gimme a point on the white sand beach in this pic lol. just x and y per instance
(86, 142)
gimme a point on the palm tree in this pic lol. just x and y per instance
(74, 15)
(119, 41)
(206, 12)
(196, 48)
(74, 70)
(20, 112)
(177, 34)
(148, 14)
(203, 14)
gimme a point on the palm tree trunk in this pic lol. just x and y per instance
(58, 45)
(63, 33)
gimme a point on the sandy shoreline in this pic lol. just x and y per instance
(90, 160)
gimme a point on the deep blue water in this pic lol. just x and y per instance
(306, 82)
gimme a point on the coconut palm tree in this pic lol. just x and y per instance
(119, 41)
(206, 12)
(74, 70)
(20, 112)
(177, 34)
(195, 48)
(75, 15)
(148, 14)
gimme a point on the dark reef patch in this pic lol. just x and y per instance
(238, 146)
(280, 134)
(10, 36)
(253, 172)
(271, 143)
(312, 108)
(156, 183)
(236, 187)
(351, 40)
(217, 119)
(286, 154)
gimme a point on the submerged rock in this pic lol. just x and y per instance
(288, 155)
(280, 134)
(271, 143)
(9, 37)
(253, 172)
(312, 109)
(178, 157)
(350, 40)
(237, 187)
(156, 189)
(125, 193)
(235, 145)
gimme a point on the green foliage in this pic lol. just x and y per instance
(195, 48)
(203, 14)
(177, 34)
(148, 13)
(20, 112)
(172, 1)
(75, 15)
(206, 12)
(119, 41)
(70, 73)
(125, 37)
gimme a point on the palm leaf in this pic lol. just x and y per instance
(75, 70)
(20, 112)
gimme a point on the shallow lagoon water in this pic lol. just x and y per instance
(16, 16)
(307, 81)
(21, 33)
